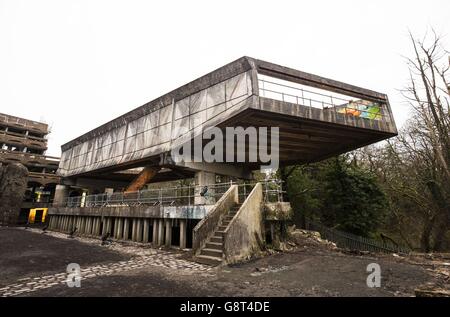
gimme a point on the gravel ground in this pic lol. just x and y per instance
(34, 264)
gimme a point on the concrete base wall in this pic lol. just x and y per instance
(155, 231)
(244, 235)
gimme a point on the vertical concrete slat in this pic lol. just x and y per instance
(183, 233)
(160, 232)
(168, 232)
(155, 232)
(126, 228)
(145, 231)
(139, 230)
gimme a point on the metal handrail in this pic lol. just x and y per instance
(181, 195)
(324, 104)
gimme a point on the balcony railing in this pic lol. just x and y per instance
(320, 99)
(174, 196)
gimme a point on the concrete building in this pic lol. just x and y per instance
(315, 118)
(25, 141)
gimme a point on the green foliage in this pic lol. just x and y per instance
(339, 195)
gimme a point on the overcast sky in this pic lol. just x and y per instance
(79, 64)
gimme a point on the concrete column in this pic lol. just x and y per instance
(160, 232)
(133, 229)
(97, 226)
(202, 179)
(145, 230)
(168, 232)
(89, 225)
(104, 226)
(109, 225)
(183, 224)
(126, 228)
(139, 230)
(61, 194)
(119, 228)
(70, 223)
(79, 224)
(66, 223)
(155, 232)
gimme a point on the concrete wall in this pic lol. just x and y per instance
(207, 226)
(171, 212)
(244, 234)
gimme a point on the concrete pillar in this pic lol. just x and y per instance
(146, 230)
(114, 229)
(61, 194)
(133, 229)
(97, 226)
(168, 232)
(202, 179)
(126, 228)
(79, 224)
(104, 226)
(119, 228)
(155, 232)
(139, 230)
(160, 239)
(183, 224)
(89, 225)
(109, 225)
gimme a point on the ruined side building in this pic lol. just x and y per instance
(25, 142)
(105, 170)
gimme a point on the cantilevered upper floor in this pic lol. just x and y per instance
(317, 118)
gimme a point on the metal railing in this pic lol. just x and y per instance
(351, 241)
(174, 196)
(314, 99)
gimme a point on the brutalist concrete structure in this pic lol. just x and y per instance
(24, 141)
(317, 118)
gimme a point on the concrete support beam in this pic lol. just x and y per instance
(146, 230)
(61, 194)
(133, 229)
(119, 228)
(89, 226)
(238, 171)
(183, 224)
(155, 232)
(168, 232)
(143, 178)
(126, 228)
(160, 232)
(139, 230)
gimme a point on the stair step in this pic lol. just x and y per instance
(209, 260)
(225, 223)
(214, 245)
(221, 228)
(211, 252)
(216, 239)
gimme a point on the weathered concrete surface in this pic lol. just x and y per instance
(206, 227)
(13, 184)
(228, 96)
(142, 211)
(244, 235)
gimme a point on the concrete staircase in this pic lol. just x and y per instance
(212, 252)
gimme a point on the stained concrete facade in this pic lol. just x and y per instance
(229, 96)
(109, 157)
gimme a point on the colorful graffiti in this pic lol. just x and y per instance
(362, 108)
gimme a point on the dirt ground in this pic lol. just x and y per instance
(34, 264)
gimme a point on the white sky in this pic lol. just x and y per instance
(79, 64)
